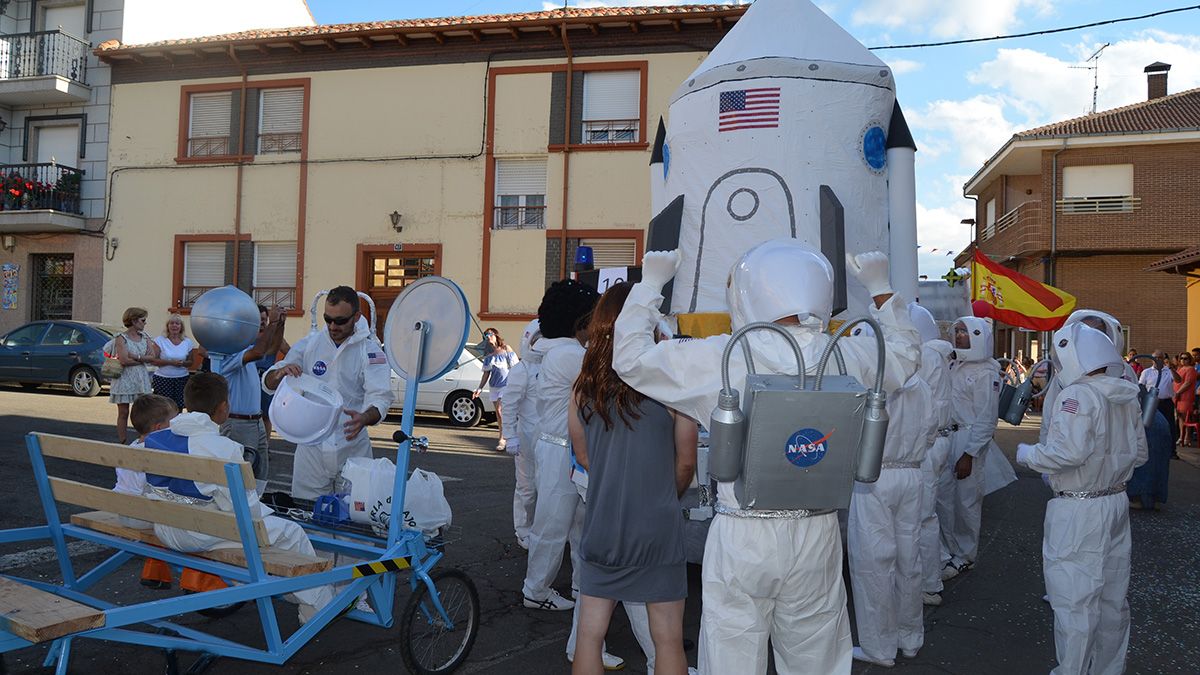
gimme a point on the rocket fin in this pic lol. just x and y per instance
(659, 165)
(833, 244)
(663, 235)
(898, 135)
(660, 139)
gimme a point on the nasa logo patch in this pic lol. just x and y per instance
(319, 368)
(807, 447)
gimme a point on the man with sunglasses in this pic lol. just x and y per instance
(347, 357)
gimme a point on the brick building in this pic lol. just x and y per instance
(1089, 204)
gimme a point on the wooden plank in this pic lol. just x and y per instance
(35, 615)
(183, 516)
(276, 561)
(162, 462)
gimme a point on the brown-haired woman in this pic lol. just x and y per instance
(639, 457)
(134, 350)
(498, 359)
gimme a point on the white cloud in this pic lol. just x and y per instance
(902, 66)
(949, 18)
(971, 129)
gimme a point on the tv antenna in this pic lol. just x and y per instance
(1094, 59)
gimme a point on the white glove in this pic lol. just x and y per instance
(513, 446)
(871, 270)
(658, 267)
(1024, 452)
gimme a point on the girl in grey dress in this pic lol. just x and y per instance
(639, 457)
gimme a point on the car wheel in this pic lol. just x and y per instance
(462, 410)
(84, 382)
(30, 386)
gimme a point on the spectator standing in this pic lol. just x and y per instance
(134, 351)
(1131, 359)
(640, 456)
(499, 359)
(174, 355)
(1185, 391)
(1161, 378)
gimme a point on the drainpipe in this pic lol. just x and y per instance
(1052, 268)
(237, 201)
(566, 180)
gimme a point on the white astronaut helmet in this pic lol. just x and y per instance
(924, 322)
(1082, 349)
(305, 410)
(1112, 327)
(531, 334)
(780, 278)
(979, 331)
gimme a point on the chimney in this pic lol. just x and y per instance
(1156, 80)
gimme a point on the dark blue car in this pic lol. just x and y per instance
(56, 352)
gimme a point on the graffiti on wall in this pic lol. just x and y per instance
(8, 289)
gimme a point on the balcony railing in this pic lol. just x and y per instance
(1029, 212)
(191, 294)
(610, 131)
(208, 146)
(518, 217)
(284, 297)
(28, 187)
(48, 52)
(276, 143)
(1099, 204)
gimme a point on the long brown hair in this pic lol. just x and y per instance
(598, 387)
(500, 344)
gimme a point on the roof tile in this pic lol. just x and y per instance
(1169, 113)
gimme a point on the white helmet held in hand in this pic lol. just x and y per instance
(305, 410)
(1081, 349)
(979, 332)
(781, 278)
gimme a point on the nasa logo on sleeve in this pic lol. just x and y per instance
(807, 447)
(319, 368)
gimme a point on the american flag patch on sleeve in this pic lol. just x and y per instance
(1070, 406)
(376, 358)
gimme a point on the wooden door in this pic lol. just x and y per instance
(384, 273)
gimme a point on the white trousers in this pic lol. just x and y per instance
(557, 518)
(316, 467)
(1085, 559)
(283, 534)
(525, 494)
(777, 579)
(885, 573)
(960, 535)
(932, 470)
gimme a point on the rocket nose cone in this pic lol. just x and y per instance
(790, 29)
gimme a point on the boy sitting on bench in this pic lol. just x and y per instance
(197, 432)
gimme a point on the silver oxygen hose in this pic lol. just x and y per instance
(760, 325)
(843, 332)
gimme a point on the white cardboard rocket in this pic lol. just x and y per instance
(788, 124)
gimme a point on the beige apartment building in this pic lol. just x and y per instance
(483, 149)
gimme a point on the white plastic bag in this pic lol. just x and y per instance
(370, 499)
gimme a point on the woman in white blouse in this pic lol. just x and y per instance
(172, 353)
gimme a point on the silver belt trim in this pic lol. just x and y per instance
(557, 440)
(1092, 494)
(166, 495)
(900, 465)
(765, 514)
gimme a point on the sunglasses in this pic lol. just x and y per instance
(338, 321)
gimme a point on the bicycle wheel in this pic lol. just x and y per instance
(428, 646)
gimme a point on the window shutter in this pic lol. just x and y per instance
(612, 252)
(275, 264)
(204, 264)
(520, 177)
(282, 110)
(210, 115)
(612, 95)
(1108, 180)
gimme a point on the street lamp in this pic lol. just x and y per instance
(395, 217)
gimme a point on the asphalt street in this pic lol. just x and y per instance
(992, 620)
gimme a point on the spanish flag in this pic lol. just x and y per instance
(1016, 299)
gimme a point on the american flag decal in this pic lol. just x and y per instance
(1070, 406)
(749, 109)
(375, 358)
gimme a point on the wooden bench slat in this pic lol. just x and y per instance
(162, 462)
(276, 561)
(183, 516)
(37, 616)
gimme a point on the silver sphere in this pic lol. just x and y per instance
(225, 320)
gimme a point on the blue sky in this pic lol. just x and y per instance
(962, 102)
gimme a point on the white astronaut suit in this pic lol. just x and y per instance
(1094, 442)
(975, 396)
(883, 528)
(359, 371)
(775, 578)
(522, 418)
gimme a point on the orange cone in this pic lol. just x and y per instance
(156, 574)
(198, 582)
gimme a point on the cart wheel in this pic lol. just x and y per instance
(428, 647)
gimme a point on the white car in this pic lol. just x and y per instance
(451, 393)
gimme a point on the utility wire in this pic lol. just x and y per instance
(1039, 32)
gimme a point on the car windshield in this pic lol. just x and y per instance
(110, 331)
(474, 350)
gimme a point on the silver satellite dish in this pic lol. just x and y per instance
(426, 329)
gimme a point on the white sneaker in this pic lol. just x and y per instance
(931, 599)
(951, 570)
(610, 661)
(523, 542)
(553, 602)
(908, 653)
(860, 655)
(501, 445)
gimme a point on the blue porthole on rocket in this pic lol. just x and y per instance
(874, 148)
